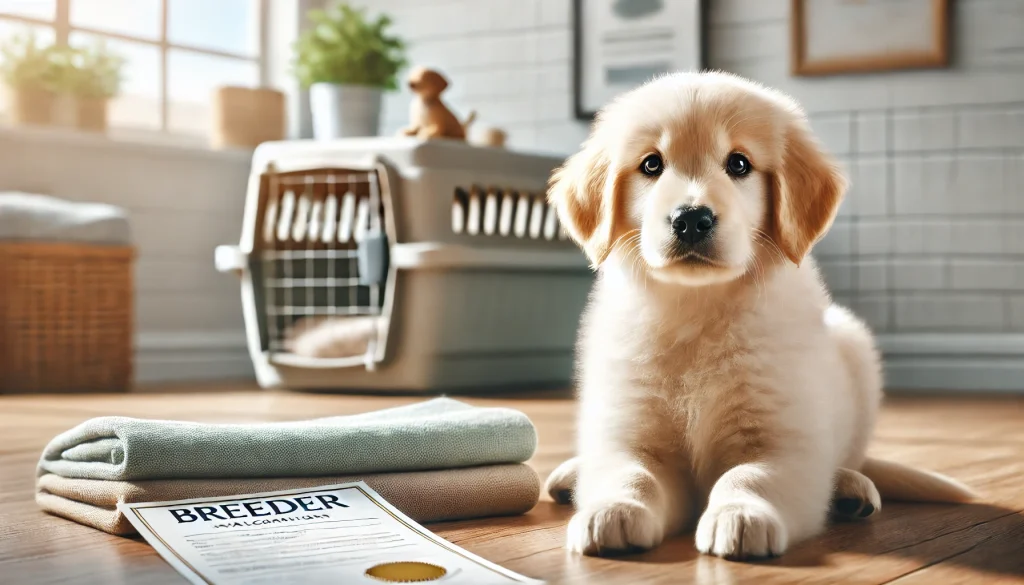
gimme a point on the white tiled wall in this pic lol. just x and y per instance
(182, 203)
(931, 239)
(932, 235)
(510, 60)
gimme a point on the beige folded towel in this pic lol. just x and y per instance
(425, 496)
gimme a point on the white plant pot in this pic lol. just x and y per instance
(344, 111)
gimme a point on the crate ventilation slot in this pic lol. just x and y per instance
(477, 211)
(342, 215)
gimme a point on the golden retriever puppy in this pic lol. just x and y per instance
(718, 384)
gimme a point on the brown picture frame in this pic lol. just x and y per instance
(936, 57)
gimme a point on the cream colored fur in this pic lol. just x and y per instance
(725, 392)
(330, 337)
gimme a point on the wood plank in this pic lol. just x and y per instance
(980, 441)
(993, 551)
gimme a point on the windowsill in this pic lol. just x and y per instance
(139, 141)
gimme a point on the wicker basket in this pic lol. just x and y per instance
(66, 313)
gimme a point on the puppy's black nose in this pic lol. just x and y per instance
(692, 224)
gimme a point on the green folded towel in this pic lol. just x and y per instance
(436, 434)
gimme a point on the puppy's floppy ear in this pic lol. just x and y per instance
(806, 191)
(584, 196)
(439, 81)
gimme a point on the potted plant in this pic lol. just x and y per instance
(94, 76)
(347, 61)
(30, 74)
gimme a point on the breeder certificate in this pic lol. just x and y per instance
(335, 534)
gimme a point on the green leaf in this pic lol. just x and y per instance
(27, 64)
(343, 46)
(327, 33)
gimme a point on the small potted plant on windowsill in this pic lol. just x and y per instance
(347, 61)
(93, 78)
(30, 74)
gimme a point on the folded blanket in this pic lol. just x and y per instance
(26, 216)
(426, 496)
(435, 434)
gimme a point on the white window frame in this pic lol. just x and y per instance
(62, 27)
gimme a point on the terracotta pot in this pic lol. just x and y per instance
(493, 137)
(65, 111)
(91, 114)
(31, 106)
(245, 118)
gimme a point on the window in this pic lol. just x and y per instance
(177, 51)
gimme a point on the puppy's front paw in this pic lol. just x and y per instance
(614, 526)
(741, 529)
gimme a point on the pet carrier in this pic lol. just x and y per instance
(396, 264)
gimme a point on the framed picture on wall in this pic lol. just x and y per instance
(859, 36)
(620, 44)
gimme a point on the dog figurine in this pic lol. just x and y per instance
(429, 116)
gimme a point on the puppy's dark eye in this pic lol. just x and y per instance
(652, 166)
(738, 165)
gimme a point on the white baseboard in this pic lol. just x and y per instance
(192, 356)
(965, 362)
(913, 361)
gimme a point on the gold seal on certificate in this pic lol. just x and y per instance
(406, 572)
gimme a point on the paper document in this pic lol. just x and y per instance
(334, 534)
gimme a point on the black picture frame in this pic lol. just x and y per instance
(577, 51)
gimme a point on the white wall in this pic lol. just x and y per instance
(929, 239)
(928, 246)
(510, 60)
(286, 19)
(182, 202)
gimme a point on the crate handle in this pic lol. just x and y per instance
(230, 259)
(435, 255)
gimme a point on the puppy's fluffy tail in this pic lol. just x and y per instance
(902, 483)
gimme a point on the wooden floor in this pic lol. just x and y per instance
(980, 441)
